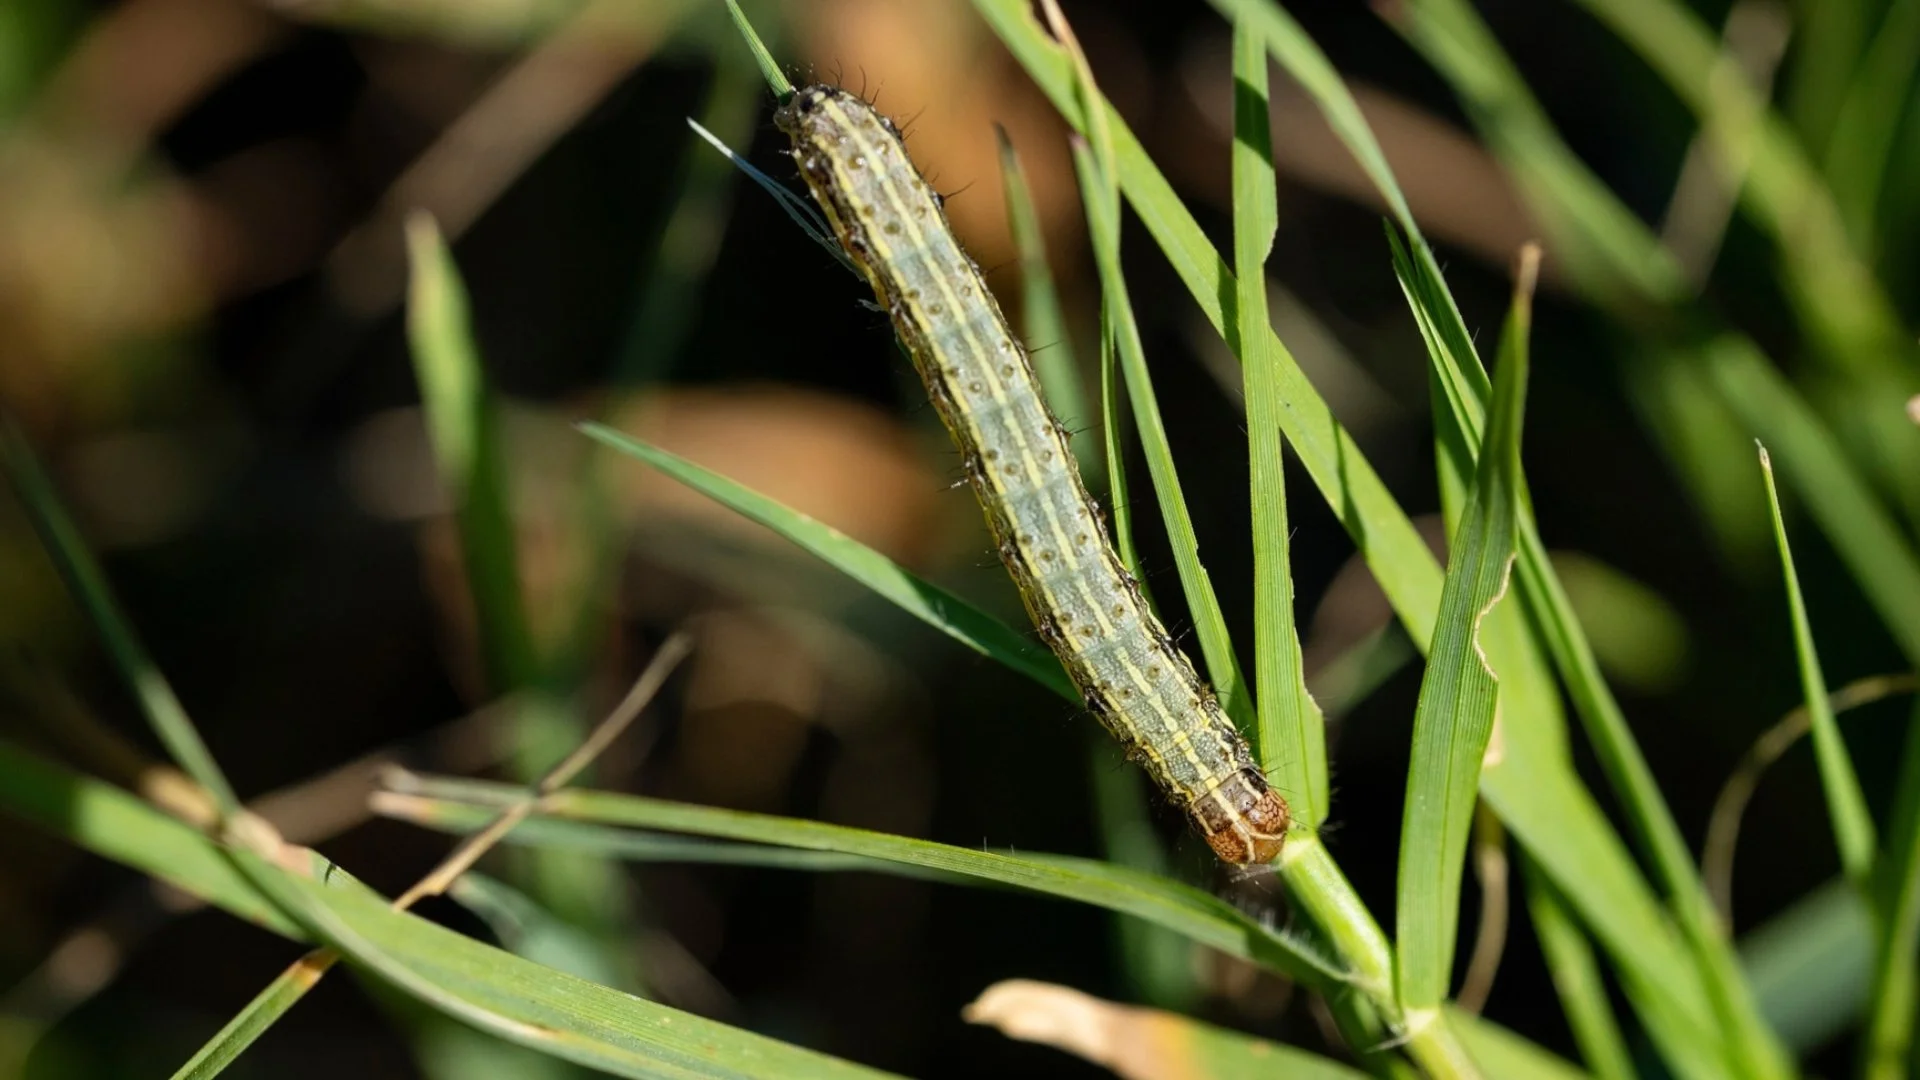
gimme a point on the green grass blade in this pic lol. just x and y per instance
(1293, 735)
(1869, 120)
(1889, 1037)
(1842, 301)
(1846, 803)
(544, 1009)
(576, 812)
(1043, 324)
(1577, 979)
(1406, 570)
(1210, 625)
(88, 583)
(463, 425)
(925, 601)
(1454, 719)
(253, 1020)
(769, 67)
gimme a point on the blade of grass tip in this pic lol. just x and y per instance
(797, 208)
(1889, 1029)
(1577, 979)
(1042, 322)
(769, 67)
(1454, 718)
(285, 991)
(1292, 743)
(1846, 803)
(464, 428)
(1210, 624)
(88, 584)
(925, 601)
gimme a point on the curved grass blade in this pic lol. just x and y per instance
(586, 818)
(929, 603)
(1293, 735)
(1846, 803)
(1455, 716)
(541, 1008)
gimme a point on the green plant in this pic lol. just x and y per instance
(1499, 634)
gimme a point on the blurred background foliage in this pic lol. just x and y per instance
(202, 269)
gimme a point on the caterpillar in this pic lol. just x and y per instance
(1047, 529)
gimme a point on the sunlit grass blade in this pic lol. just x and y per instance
(1407, 571)
(464, 427)
(1137, 1042)
(1503, 1055)
(1292, 742)
(929, 603)
(1577, 979)
(1846, 803)
(1199, 916)
(1210, 625)
(1455, 716)
(537, 1007)
(88, 584)
(1896, 982)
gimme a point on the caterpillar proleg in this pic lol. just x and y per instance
(1045, 525)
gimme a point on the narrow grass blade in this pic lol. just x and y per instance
(769, 67)
(666, 297)
(927, 602)
(1158, 963)
(463, 423)
(1577, 979)
(574, 814)
(1042, 322)
(253, 1020)
(1869, 120)
(1454, 719)
(797, 208)
(88, 584)
(1896, 979)
(1293, 735)
(1210, 625)
(1846, 803)
(1398, 557)
(1135, 1042)
(520, 1001)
